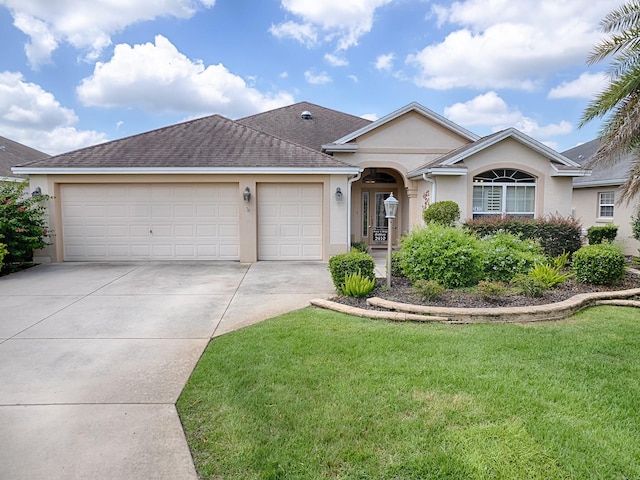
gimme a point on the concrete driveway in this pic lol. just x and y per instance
(94, 356)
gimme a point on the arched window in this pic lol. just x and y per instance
(504, 191)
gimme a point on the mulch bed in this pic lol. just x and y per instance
(402, 291)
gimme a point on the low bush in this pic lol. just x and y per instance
(548, 275)
(446, 212)
(600, 264)
(360, 246)
(340, 266)
(396, 264)
(601, 234)
(357, 285)
(528, 285)
(491, 291)
(505, 255)
(3, 253)
(428, 289)
(448, 255)
(556, 234)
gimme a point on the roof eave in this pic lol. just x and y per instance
(570, 172)
(342, 148)
(187, 170)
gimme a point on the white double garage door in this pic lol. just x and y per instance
(103, 222)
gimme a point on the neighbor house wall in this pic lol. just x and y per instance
(586, 210)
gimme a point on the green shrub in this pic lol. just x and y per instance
(556, 234)
(428, 289)
(560, 261)
(357, 285)
(360, 246)
(347, 263)
(396, 264)
(3, 253)
(528, 285)
(505, 255)
(601, 234)
(445, 213)
(491, 291)
(448, 255)
(635, 225)
(600, 264)
(548, 275)
(22, 222)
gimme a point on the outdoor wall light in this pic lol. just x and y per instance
(36, 192)
(338, 194)
(246, 195)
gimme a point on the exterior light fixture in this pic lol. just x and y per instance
(390, 209)
(246, 195)
(36, 192)
(338, 194)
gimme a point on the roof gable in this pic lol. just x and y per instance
(561, 164)
(614, 174)
(412, 107)
(213, 142)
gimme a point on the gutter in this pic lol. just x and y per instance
(433, 183)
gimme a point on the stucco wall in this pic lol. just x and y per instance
(334, 213)
(586, 208)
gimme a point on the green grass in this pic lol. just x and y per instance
(320, 395)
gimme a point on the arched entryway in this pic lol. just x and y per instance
(369, 222)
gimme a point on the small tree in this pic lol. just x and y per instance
(22, 222)
(446, 212)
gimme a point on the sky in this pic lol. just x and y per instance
(75, 73)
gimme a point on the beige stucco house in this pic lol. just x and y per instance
(595, 198)
(297, 183)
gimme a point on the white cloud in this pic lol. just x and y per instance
(342, 21)
(335, 61)
(492, 111)
(385, 62)
(587, 85)
(158, 78)
(319, 79)
(32, 116)
(87, 25)
(305, 33)
(353, 78)
(506, 44)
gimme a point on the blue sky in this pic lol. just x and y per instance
(74, 73)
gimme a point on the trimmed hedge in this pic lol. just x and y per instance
(447, 255)
(505, 255)
(600, 264)
(347, 264)
(446, 212)
(601, 234)
(556, 234)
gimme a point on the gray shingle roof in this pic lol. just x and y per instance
(324, 126)
(210, 142)
(14, 153)
(615, 174)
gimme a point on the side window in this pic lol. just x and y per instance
(606, 204)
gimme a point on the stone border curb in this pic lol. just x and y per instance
(402, 312)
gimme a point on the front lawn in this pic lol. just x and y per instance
(316, 394)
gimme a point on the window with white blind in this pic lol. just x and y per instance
(504, 191)
(605, 204)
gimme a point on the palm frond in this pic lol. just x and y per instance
(625, 17)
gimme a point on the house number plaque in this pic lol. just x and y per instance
(380, 235)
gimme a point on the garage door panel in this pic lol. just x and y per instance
(289, 221)
(135, 221)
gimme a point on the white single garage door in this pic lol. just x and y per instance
(150, 221)
(289, 221)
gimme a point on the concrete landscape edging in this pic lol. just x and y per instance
(422, 313)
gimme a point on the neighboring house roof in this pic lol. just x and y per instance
(603, 174)
(341, 143)
(322, 126)
(212, 144)
(14, 153)
(447, 164)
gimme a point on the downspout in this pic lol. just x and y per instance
(433, 183)
(351, 180)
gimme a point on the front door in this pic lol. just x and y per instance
(375, 225)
